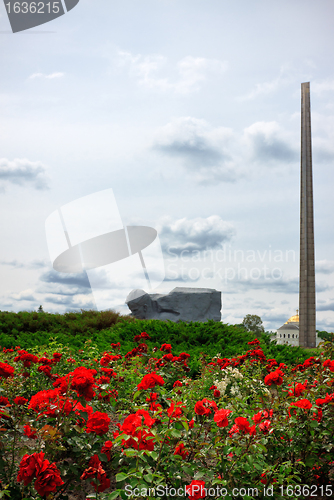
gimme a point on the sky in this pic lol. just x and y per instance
(186, 114)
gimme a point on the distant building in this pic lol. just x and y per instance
(289, 332)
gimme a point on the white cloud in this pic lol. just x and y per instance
(267, 142)
(318, 87)
(51, 76)
(202, 149)
(24, 295)
(324, 266)
(284, 78)
(23, 171)
(192, 235)
(191, 71)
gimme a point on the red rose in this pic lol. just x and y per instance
(48, 478)
(149, 381)
(131, 424)
(298, 389)
(220, 417)
(196, 490)
(216, 393)
(153, 397)
(180, 450)
(328, 399)
(6, 370)
(30, 432)
(83, 382)
(95, 470)
(175, 412)
(29, 467)
(242, 423)
(19, 400)
(106, 448)
(265, 426)
(4, 401)
(303, 403)
(177, 383)
(166, 348)
(98, 422)
(275, 377)
(205, 406)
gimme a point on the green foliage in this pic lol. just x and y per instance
(253, 323)
(30, 329)
(275, 433)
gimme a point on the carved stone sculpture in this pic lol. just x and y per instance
(181, 304)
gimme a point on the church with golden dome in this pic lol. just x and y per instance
(289, 332)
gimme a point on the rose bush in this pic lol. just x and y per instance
(90, 421)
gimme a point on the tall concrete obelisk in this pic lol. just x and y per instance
(307, 328)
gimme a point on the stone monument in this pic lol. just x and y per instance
(307, 324)
(181, 304)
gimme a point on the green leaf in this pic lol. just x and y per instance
(113, 495)
(175, 433)
(185, 425)
(121, 476)
(136, 395)
(149, 477)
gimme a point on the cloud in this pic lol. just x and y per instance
(326, 307)
(70, 303)
(284, 78)
(323, 86)
(281, 285)
(324, 266)
(191, 71)
(34, 264)
(270, 284)
(202, 149)
(51, 76)
(23, 171)
(80, 281)
(24, 295)
(189, 235)
(266, 143)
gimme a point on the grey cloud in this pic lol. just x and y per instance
(281, 285)
(274, 149)
(202, 149)
(69, 302)
(288, 285)
(197, 152)
(184, 278)
(324, 267)
(267, 143)
(24, 295)
(34, 264)
(79, 280)
(193, 234)
(22, 172)
(326, 307)
(275, 319)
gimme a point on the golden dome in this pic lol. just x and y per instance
(293, 319)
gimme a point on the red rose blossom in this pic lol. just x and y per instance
(98, 422)
(275, 377)
(181, 450)
(220, 417)
(196, 490)
(149, 381)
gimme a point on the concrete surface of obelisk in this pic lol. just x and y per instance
(307, 324)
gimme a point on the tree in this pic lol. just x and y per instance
(40, 309)
(253, 323)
